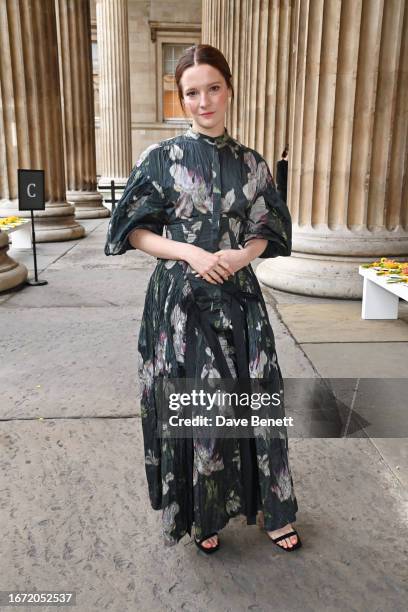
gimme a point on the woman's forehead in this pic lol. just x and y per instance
(202, 75)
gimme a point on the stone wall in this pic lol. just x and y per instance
(142, 55)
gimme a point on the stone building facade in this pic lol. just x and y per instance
(327, 78)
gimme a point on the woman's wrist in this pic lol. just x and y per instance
(186, 251)
(254, 248)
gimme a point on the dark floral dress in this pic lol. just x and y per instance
(215, 193)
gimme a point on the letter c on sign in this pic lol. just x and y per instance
(30, 195)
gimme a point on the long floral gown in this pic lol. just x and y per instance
(215, 193)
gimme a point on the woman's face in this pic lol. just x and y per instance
(205, 91)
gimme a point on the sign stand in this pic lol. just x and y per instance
(31, 197)
(35, 281)
(113, 201)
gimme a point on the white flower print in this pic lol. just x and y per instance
(249, 188)
(151, 459)
(170, 263)
(178, 320)
(283, 487)
(168, 478)
(225, 242)
(145, 153)
(263, 464)
(258, 210)
(258, 176)
(193, 189)
(159, 188)
(146, 373)
(257, 365)
(233, 502)
(160, 353)
(191, 231)
(206, 461)
(235, 226)
(175, 152)
(169, 514)
(228, 201)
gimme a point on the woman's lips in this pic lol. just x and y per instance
(206, 114)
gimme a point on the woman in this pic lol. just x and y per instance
(204, 313)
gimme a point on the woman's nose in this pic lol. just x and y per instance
(203, 100)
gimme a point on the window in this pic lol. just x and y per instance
(170, 101)
(171, 40)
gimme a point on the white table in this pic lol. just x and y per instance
(380, 299)
(21, 238)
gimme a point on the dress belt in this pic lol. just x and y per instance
(198, 317)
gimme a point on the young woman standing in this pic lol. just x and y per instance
(204, 313)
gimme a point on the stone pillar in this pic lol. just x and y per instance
(348, 138)
(75, 55)
(342, 74)
(31, 107)
(114, 96)
(250, 33)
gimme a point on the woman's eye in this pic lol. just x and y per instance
(191, 93)
(216, 87)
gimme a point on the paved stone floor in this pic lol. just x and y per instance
(74, 508)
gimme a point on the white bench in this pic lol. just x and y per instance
(380, 299)
(21, 238)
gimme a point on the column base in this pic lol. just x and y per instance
(54, 224)
(12, 273)
(313, 275)
(88, 204)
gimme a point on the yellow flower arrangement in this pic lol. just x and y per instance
(12, 221)
(396, 271)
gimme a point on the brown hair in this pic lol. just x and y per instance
(202, 54)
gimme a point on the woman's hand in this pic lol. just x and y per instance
(210, 266)
(235, 259)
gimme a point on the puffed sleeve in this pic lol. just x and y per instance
(267, 216)
(142, 204)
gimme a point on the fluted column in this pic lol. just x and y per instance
(75, 55)
(250, 33)
(114, 95)
(32, 119)
(349, 133)
(341, 73)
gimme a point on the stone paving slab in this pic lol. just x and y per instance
(83, 358)
(75, 515)
(339, 322)
(82, 289)
(73, 495)
(359, 360)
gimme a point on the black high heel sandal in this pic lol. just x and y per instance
(261, 525)
(207, 551)
(283, 537)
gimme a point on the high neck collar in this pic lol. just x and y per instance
(218, 141)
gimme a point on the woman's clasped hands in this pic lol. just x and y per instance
(217, 267)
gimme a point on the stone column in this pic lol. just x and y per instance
(31, 109)
(341, 73)
(348, 142)
(250, 33)
(75, 55)
(114, 96)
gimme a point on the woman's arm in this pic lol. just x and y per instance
(208, 265)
